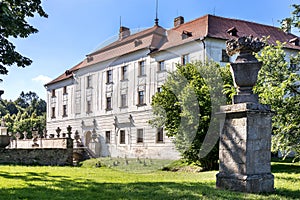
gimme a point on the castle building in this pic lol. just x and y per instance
(106, 98)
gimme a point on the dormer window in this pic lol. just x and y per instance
(294, 41)
(137, 42)
(89, 58)
(186, 34)
(232, 31)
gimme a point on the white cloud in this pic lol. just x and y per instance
(42, 79)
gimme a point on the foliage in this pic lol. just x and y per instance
(189, 97)
(279, 86)
(293, 21)
(26, 113)
(25, 182)
(13, 23)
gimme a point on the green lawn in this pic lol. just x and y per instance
(21, 182)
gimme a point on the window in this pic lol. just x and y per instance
(108, 103)
(185, 59)
(89, 106)
(159, 89)
(65, 90)
(161, 66)
(122, 137)
(109, 76)
(160, 135)
(107, 137)
(186, 34)
(140, 136)
(53, 93)
(53, 112)
(142, 68)
(89, 81)
(225, 57)
(124, 73)
(123, 100)
(141, 99)
(65, 111)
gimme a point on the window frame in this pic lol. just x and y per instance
(107, 137)
(123, 102)
(142, 68)
(160, 135)
(108, 103)
(122, 137)
(141, 98)
(89, 81)
(65, 113)
(53, 93)
(109, 76)
(65, 90)
(53, 112)
(140, 136)
(185, 59)
(88, 106)
(160, 68)
(124, 73)
(225, 57)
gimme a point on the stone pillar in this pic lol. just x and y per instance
(245, 149)
(245, 138)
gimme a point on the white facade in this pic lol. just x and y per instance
(112, 98)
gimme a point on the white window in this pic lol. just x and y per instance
(161, 66)
(123, 100)
(142, 68)
(141, 98)
(124, 73)
(185, 59)
(140, 136)
(109, 78)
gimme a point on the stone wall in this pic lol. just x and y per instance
(39, 156)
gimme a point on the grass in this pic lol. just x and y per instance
(90, 182)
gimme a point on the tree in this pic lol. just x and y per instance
(13, 16)
(279, 86)
(185, 108)
(293, 21)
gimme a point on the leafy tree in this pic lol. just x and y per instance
(13, 23)
(279, 86)
(294, 20)
(189, 97)
(11, 108)
(24, 114)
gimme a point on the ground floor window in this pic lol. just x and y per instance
(107, 137)
(122, 137)
(160, 135)
(140, 136)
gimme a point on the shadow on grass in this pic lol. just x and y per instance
(285, 168)
(44, 186)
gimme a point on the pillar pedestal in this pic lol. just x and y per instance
(245, 148)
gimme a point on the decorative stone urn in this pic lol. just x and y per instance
(245, 137)
(245, 68)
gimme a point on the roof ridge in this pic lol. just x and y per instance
(189, 22)
(125, 40)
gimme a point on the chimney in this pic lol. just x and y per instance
(124, 32)
(178, 21)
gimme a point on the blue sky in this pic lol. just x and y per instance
(75, 28)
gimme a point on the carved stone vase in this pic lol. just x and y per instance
(245, 72)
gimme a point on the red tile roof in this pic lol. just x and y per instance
(157, 38)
